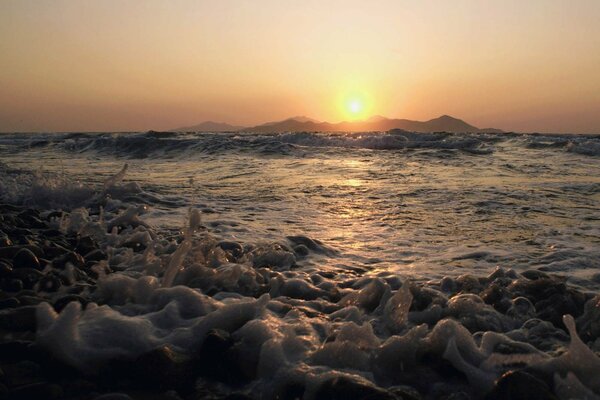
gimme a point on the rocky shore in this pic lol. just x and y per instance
(502, 336)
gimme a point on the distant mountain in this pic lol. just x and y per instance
(300, 118)
(445, 123)
(210, 126)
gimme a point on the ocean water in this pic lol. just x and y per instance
(379, 259)
(421, 205)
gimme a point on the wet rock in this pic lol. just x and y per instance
(343, 388)
(95, 255)
(5, 241)
(86, 244)
(162, 368)
(18, 319)
(113, 396)
(51, 233)
(536, 290)
(215, 359)
(554, 307)
(62, 302)
(521, 309)
(24, 258)
(30, 300)
(405, 392)
(75, 388)
(12, 285)
(49, 284)
(23, 372)
(448, 285)
(5, 269)
(10, 302)
(520, 385)
(468, 284)
(15, 351)
(496, 296)
(588, 325)
(301, 250)
(534, 274)
(27, 276)
(9, 252)
(39, 390)
(71, 257)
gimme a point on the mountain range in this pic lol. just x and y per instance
(445, 123)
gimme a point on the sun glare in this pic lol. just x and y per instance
(355, 106)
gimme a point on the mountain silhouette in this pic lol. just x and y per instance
(209, 126)
(445, 123)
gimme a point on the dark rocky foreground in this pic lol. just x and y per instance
(42, 264)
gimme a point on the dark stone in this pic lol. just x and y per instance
(495, 295)
(28, 276)
(343, 388)
(534, 274)
(95, 255)
(290, 390)
(62, 302)
(85, 245)
(12, 285)
(301, 250)
(164, 368)
(554, 307)
(135, 246)
(54, 250)
(216, 361)
(520, 385)
(71, 257)
(113, 396)
(234, 248)
(15, 351)
(39, 390)
(24, 258)
(5, 241)
(51, 233)
(18, 319)
(54, 214)
(49, 284)
(405, 392)
(5, 270)
(11, 302)
(536, 290)
(23, 372)
(78, 388)
(30, 300)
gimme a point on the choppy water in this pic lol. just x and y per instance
(421, 205)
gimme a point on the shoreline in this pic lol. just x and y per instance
(48, 272)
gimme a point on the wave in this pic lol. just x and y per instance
(188, 145)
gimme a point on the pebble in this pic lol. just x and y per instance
(24, 258)
(10, 302)
(39, 390)
(18, 319)
(520, 385)
(342, 388)
(113, 396)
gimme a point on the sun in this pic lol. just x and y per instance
(355, 106)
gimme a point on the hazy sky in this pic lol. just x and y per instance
(136, 65)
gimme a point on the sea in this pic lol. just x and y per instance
(323, 216)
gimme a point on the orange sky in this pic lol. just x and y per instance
(137, 65)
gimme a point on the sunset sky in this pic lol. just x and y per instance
(138, 65)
